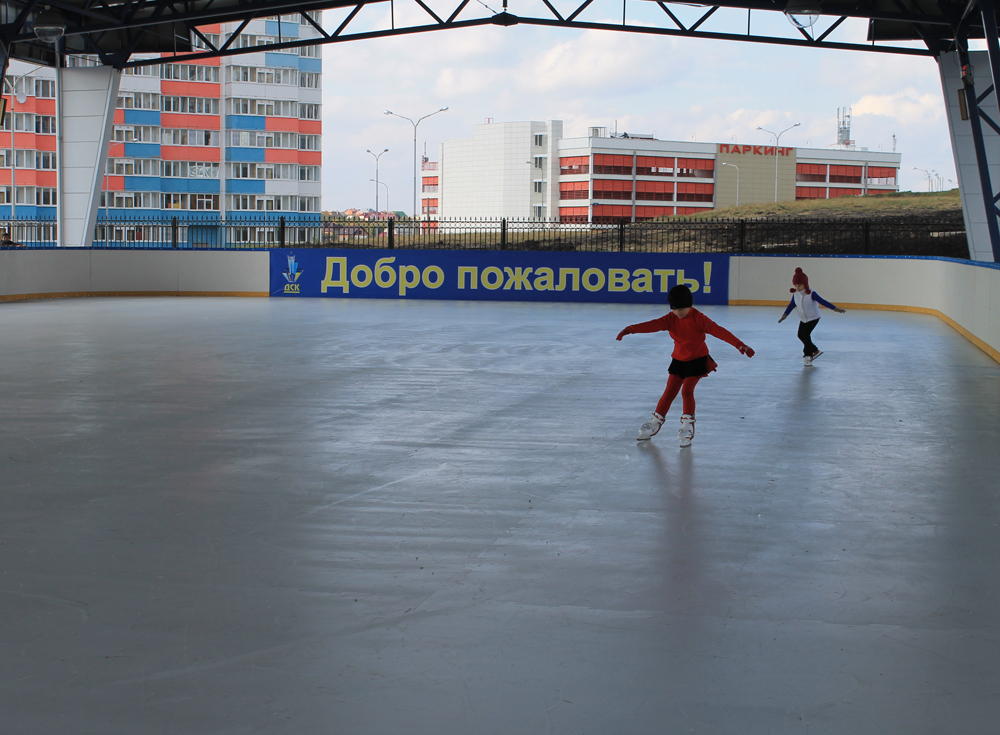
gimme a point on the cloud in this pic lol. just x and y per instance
(910, 107)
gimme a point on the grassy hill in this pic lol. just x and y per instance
(903, 204)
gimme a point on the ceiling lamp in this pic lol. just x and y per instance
(803, 13)
(49, 27)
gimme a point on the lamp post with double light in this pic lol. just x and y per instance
(737, 180)
(927, 175)
(378, 156)
(777, 142)
(382, 183)
(416, 213)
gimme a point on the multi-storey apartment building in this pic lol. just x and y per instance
(528, 170)
(231, 138)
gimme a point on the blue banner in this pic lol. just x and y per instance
(631, 278)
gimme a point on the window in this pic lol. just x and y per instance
(130, 199)
(313, 52)
(539, 161)
(612, 189)
(574, 166)
(134, 166)
(605, 164)
(309, 112)
(845, 175)
(24, 121)
(430, 206)
(204, 201)
(695, 192)
(5, 195)
(881, 176)
(191, 105)
(607, 214)
(45, 88)
(39, 196)
(539, 141)
(309, 80)
(654, 166)
(142, 71)
(263, 139)
(837, 193)
(314, 14)
(6, 158)
(430, 184)
(262, 75)
(45, 124)
(539, 187)
(574, 190)
(810, 172)
(137, 134)
(41, 160)
(191, 72)
(271, 108)
(538, 211)
(212, 38)
(657, 191)
(810, 192)
(309, 204)
(573, 214)
(173, 136)
(308, 173)
(139, 101)
(309, 143)
(695, 168)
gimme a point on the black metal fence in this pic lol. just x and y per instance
(942, 235)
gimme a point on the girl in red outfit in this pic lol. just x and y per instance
(691, 361)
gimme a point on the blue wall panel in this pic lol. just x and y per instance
(142, 150)
(245, 186)
(289, 60)
(142, 117)
(143, 183)
(246, 122)
(288, 31)
(245, 155)
(197, 186)
(633, 278)
(307, 64)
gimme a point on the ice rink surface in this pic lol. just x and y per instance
(372, 517)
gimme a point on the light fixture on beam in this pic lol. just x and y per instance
(803, 13)
(49, 27)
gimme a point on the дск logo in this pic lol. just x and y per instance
(292, 275)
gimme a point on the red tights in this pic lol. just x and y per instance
(677, 384)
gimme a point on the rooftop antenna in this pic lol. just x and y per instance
(893, 142)
(844, 127)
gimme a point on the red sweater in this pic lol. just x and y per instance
(688, 333)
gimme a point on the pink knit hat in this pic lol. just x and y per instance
(798, 278)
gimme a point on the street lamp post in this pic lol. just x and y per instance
(777, 142)
(376, 175)
(416, 214)
(927, 174)
(737, 181)
(377, 183)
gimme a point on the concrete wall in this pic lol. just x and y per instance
(29, 274)
(964, 294)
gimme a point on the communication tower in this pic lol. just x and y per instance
(844, 127)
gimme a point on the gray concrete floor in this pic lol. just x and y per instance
(367, 517)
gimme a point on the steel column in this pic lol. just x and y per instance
(982, 162)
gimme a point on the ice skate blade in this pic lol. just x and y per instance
(643, 438)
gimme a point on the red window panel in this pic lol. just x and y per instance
(607, 164)
(574, 165)
(572, 214)
(431, 180)
(612, 189)
(695, 168)
(654, 166)
(810, 172)
(430, 206)
(647, 213)
(657, 191)
(574, 190)
(836, 193)
(695, 192)
(845, 174)
(692, 210)
(810, 192)
(610, 213)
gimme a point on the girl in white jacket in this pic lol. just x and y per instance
(805, 303)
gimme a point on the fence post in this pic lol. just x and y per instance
(743, 235)
(868, 236)
(173, 231)
(392, 233)
(281, 232)
(621, 235)
(503, 233)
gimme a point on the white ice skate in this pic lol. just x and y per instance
(649, 429)
(686, 433)
(807, 361)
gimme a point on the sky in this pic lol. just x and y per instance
(676, 88)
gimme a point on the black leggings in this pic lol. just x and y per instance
(805, 335)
